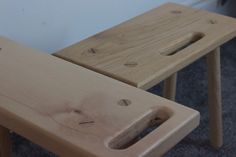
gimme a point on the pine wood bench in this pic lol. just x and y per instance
(73, 111)
(154, 46)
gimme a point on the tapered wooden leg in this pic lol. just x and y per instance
(170, 87)
(5, 143)
(214, 98)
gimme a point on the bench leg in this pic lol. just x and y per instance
(5, 143)
(170, 87)
(214, 98)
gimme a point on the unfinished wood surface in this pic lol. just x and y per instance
(149, 48)
(5, 142)
(214, 98)
(169, 90)
(73, 111)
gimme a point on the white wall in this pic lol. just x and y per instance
(50, 25)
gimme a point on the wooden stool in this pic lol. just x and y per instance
(73, 111)
(155, 46)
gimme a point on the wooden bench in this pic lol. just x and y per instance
(73, 111)
(154, 46)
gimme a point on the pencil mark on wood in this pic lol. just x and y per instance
(92, 50)
(78, 111)
(86, 122)
(131, 64)
(124, 102)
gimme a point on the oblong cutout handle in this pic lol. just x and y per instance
(181, 43)
(175, 126)
(140, 129)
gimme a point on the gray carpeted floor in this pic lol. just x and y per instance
(192, 92)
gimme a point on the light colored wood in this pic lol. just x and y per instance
(169, 91)
(138, 52)
(214, 98)
(73, 111)
(151, 47)
(5, 142)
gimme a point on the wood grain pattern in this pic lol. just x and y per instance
(73, 111)
(140, 51)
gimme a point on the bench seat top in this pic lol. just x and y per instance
(73, 111)
(147, 49)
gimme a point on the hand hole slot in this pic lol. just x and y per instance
(140, 129)
(181, 43)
